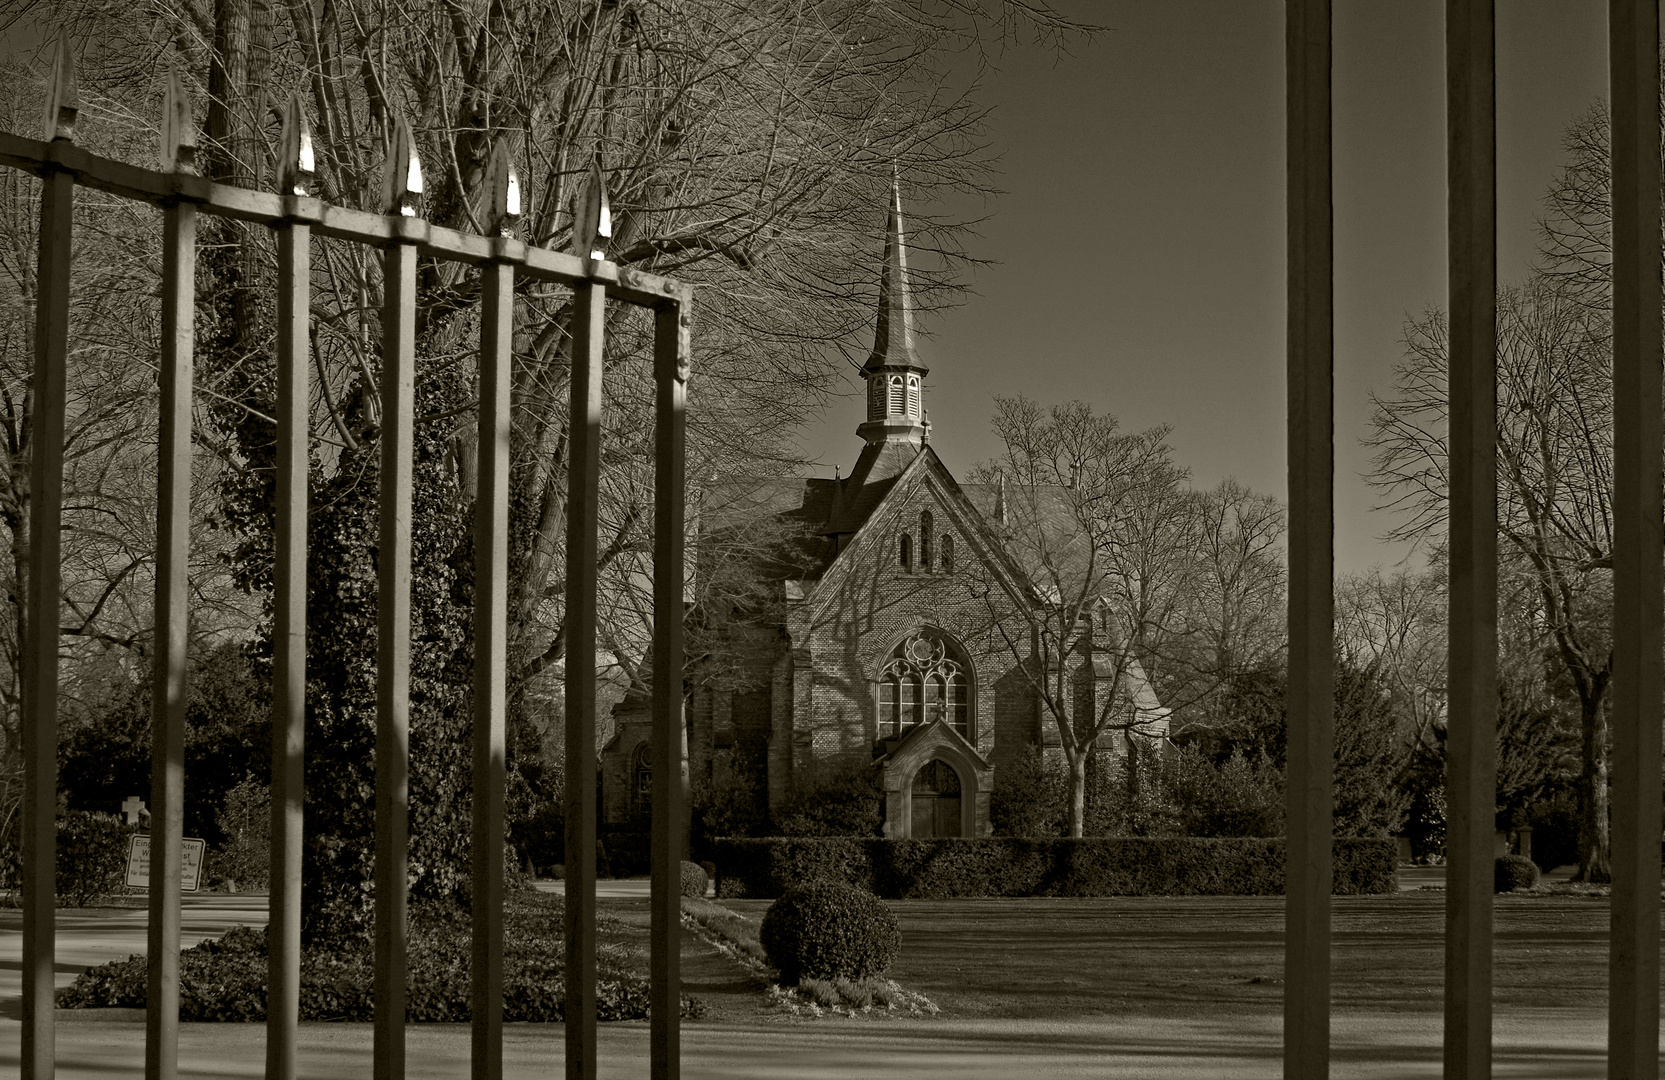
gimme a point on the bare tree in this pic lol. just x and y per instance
(1100, 520)
(1555, 515)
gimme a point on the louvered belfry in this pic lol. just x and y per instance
(402, 237)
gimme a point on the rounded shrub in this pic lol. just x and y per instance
(694, 879)
(829, 930)
(1514, 872)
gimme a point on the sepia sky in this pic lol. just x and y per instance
(1139, 248)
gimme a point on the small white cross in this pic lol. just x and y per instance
(133, 806)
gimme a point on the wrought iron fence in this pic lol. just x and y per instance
(295, 217)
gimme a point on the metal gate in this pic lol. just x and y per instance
(402, 237)
(1639, 589)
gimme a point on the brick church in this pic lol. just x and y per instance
(906, 644)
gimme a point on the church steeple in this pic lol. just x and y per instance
(895, 375)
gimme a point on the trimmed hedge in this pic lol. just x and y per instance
(1010, 866)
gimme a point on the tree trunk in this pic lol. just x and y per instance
(1078, 793)
(1594, 852)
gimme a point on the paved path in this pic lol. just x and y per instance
(1547, 1044)
(1544, 1044)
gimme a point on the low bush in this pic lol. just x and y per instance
(92, 856)
(694, 879)
(225, 978)
(1013, 866)
(827, 930)
(1512, 872)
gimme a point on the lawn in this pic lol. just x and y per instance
(1201, 956)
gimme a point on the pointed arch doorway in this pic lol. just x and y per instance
(936, 801)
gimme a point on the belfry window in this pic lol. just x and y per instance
(924, 681)
(913, 395)
(898, 396)
(925, 541)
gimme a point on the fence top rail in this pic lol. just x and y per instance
(273, 210)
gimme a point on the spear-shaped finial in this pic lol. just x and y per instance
(295, 166)
(63, 97)
(504, 185)
(402, 173)
(179, 131)
(592, 218)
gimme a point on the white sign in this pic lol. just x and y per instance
(138, 863)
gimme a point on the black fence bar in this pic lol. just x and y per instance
(669, 742)
(393, 555)
(1471, 755)
(283, 972)
(1311, 701)
(40, 655)
(1639, 538)
(583, 501)
(172, 615)
(491, 629)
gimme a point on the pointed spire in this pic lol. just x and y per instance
(179, 129)
(63, 98)
(893, 338)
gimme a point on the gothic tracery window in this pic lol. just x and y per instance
(924, 681)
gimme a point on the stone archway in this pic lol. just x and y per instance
(933, 779)
(936, 799)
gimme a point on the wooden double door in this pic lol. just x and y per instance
(936, 801)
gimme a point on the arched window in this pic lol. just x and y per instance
(641, 782)
(904, 552)
(947, 563)
(898, 398)
(913, 395)
(925, 535)
(923, 681)
(876, 395)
